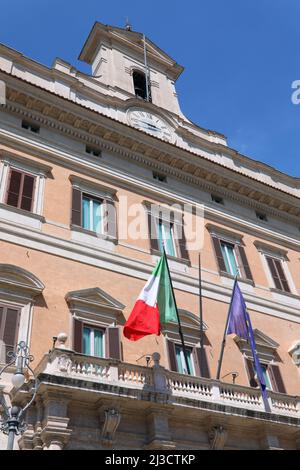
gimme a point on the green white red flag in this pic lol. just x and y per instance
(154, 306)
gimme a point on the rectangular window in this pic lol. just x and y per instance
(9, 326)
(92, 214)
(159, 177)
(180, 360)
(20, 190)
(266, 376)
(93, 341)
(166, 237)
(277, 272)
(31, 127)
(230, 259)
(93, 151)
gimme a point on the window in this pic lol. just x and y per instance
(93, 151)
(20, 190)
(217, 199)
(159, 177)
(96, 341)
(166, 237)
(261, 216)
(92, 214)
(271, 373)
(231, 258)
(277, 272)
(31, 127)
(180, 360)
(9, 326)
(166, 228)
(140, 85)
(93, 341)
(177, 359)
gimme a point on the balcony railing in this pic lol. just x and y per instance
(66, 363)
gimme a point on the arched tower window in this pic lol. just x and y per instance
(140, 85)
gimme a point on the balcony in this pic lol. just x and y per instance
(64, 367)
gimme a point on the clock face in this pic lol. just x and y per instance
(150, 123)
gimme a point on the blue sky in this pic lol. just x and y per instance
(240, 59)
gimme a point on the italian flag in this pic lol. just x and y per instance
(154, 306)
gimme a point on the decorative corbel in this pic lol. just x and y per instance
(217, 437)
(110, 426)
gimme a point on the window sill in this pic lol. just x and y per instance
(21, 216)
(101, 236)
(283, 292)
(22, 212)
(240, 279)
(171, 258)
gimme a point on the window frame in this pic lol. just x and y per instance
(162, 223)
(92, 345)
(20, 195)
(92, 198)
(182, 359)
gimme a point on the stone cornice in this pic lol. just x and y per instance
(140, 147)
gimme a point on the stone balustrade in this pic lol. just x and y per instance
(66, 363)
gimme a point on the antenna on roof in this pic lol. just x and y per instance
(128, 26)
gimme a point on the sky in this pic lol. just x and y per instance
(240, 57)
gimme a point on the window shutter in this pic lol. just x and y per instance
(10, 330)
(172, 356)
(77, 336)
(180, 240)
(114, 344)
(14, 188)
(197, 363)
(276, 379)
(276, 279)
(251, 373)
(111, 219)
(27, 193)
(282, 277)
(219, 256)
(243, 258)
(152, 232)
(76, 207)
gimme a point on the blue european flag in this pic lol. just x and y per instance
(239, 323)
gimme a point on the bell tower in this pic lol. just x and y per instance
(129, 65)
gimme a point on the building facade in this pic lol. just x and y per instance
(96, 173)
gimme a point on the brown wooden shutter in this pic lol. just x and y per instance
(76, 207)
(197, 358)
(111, 219)
(172, 356)
(219, 256)
(113, 342)
(251, 373)
(77, 336)
(273, 270)
(14, 186)
(276, 379)
(180, 241)
(243, 258)
(152, 232)
(281, 274)
(27, 193)
(10, 330)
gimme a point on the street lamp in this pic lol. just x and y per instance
(13, 423)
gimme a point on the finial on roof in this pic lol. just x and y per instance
(128, 26)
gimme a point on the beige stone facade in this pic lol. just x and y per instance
(78, 134)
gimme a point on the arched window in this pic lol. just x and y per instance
(140, 85)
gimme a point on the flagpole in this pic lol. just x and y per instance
(177, 314)
(225, 331)
(201, 319)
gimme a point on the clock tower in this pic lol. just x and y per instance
(125, 62)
